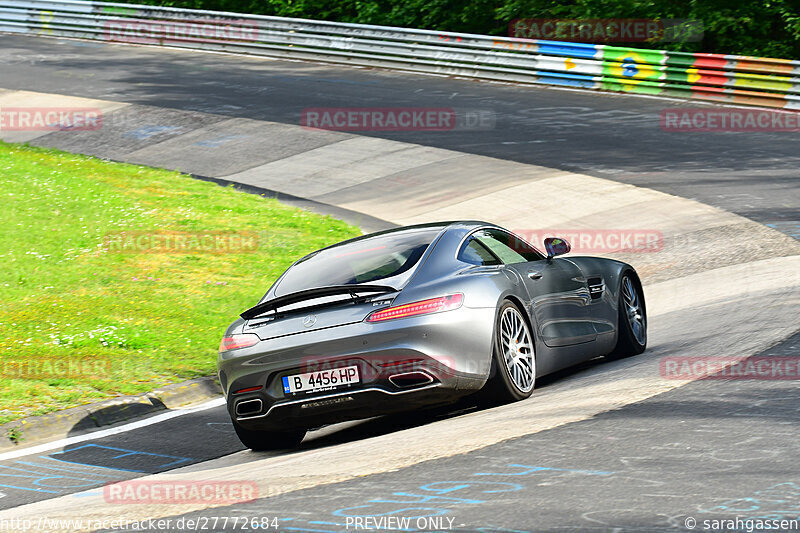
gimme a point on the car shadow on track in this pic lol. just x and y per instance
(378, 426)
(347, 432)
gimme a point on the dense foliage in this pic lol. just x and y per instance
(764, 27)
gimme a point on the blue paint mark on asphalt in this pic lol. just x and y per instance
(146, 132)
(377, 507)
(791, 228)
(28, 489)
(527, 470)
(458, 485)
(52, 476)
(219, 141)
(62, 468)
(436, 512)
(427, 498)
(778, 502)
(123, 453)
(38, 480)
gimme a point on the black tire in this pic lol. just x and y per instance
(630, 341)
(501, 386)
(260, 441)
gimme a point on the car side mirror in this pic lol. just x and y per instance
(556, 246)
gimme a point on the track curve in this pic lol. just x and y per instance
(605, 135)
(737, 276)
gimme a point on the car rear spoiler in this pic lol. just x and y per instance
(310, 294)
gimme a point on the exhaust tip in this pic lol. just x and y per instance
(249, 407)
(410, 379)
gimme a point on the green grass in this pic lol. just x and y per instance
(155, 318)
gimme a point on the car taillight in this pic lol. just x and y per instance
(249, 389)
(423, 307)
(234, 342)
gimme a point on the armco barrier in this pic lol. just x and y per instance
(723, 78)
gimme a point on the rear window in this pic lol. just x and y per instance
(380, 259)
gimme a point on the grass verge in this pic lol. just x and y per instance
(96, 300)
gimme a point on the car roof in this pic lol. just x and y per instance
(464, 224)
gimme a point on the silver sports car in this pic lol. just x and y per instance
(419, 316)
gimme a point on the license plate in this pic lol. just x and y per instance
(320, 381)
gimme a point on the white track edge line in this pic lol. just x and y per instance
(61, 443)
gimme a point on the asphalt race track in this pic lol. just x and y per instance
(609, 136)
(712, 450)
(627, 460)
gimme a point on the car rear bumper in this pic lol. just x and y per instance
(403, 364)
(343, 406)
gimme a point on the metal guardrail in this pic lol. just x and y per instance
(722, 78)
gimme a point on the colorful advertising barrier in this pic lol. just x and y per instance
(732, 79)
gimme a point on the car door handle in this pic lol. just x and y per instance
(534, 274)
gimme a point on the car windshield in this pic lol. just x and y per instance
(389, 256)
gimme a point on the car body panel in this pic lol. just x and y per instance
(569, 302)
(560, 301)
